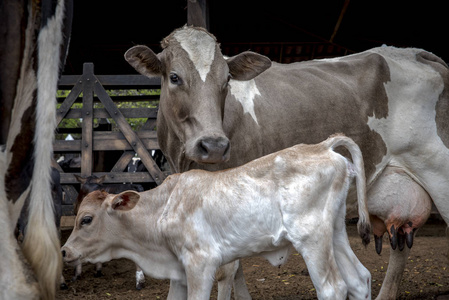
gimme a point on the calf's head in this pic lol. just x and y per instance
(194, 86)
(99, 227)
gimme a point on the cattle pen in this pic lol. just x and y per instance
(105, 143)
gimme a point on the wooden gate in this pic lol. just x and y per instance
(90, 89)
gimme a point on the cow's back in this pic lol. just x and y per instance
(308, 101)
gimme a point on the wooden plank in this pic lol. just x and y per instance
(87, 125)
(114, 135)
(129, 134)
(68, 102)
(136, 81)
(142, 112)
(123, 162)
(67, 222)
(111, 177)
(103, 145)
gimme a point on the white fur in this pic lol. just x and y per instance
(245, 92)
(201, 49)
(41, 243)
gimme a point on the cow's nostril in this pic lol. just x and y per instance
(63, 253)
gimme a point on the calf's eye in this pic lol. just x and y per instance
(86, 220)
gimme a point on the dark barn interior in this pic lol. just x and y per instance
(285, 31)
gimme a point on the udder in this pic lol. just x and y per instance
(398, 205)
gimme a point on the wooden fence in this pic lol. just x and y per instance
(93, 146)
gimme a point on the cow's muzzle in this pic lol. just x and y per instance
(213, 150)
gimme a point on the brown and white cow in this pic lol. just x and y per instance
(32, 44)
(217, 113)
(198, 220)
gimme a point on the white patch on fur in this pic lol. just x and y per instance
(245, 92)
(200, 47)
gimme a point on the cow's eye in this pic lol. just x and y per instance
(175, 79)
(86, 220)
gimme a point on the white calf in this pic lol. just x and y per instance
(197, 221)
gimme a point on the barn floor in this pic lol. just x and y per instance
(426, 275)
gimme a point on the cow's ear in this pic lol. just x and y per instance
(247, 65)
(144, 61)
(80, 179)
(124, 201)
(101, 179)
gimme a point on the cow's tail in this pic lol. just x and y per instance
(41, 244)
(363, 225)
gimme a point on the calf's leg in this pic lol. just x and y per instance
(318, 253)
(200, 273)
(177, 291)
(230, 275)
(356, 276)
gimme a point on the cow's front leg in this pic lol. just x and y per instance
(140, 278)
(78, 271)
(98, 272)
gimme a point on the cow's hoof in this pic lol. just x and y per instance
(140, 286)
(63, 286)
(98, 274)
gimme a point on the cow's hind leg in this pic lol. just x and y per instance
(392, 280)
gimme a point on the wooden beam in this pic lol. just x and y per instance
(87, 115)
(340, 18)
(198, 13)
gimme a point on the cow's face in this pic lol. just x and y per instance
(195, 78)
(98, 227)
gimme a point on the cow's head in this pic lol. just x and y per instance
(195, 78)
(99, 227)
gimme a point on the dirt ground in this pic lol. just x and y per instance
(426, 275)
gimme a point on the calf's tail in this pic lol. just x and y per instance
(363, 225)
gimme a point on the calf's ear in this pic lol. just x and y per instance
(124, 201)
(144, 61)
(247, 65)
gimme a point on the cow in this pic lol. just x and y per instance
(217, 112)
(93, 183)
(56, 195)
(198, 220)
(33, 45)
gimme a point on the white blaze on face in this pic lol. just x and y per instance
(245, 92)
(200, 47)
